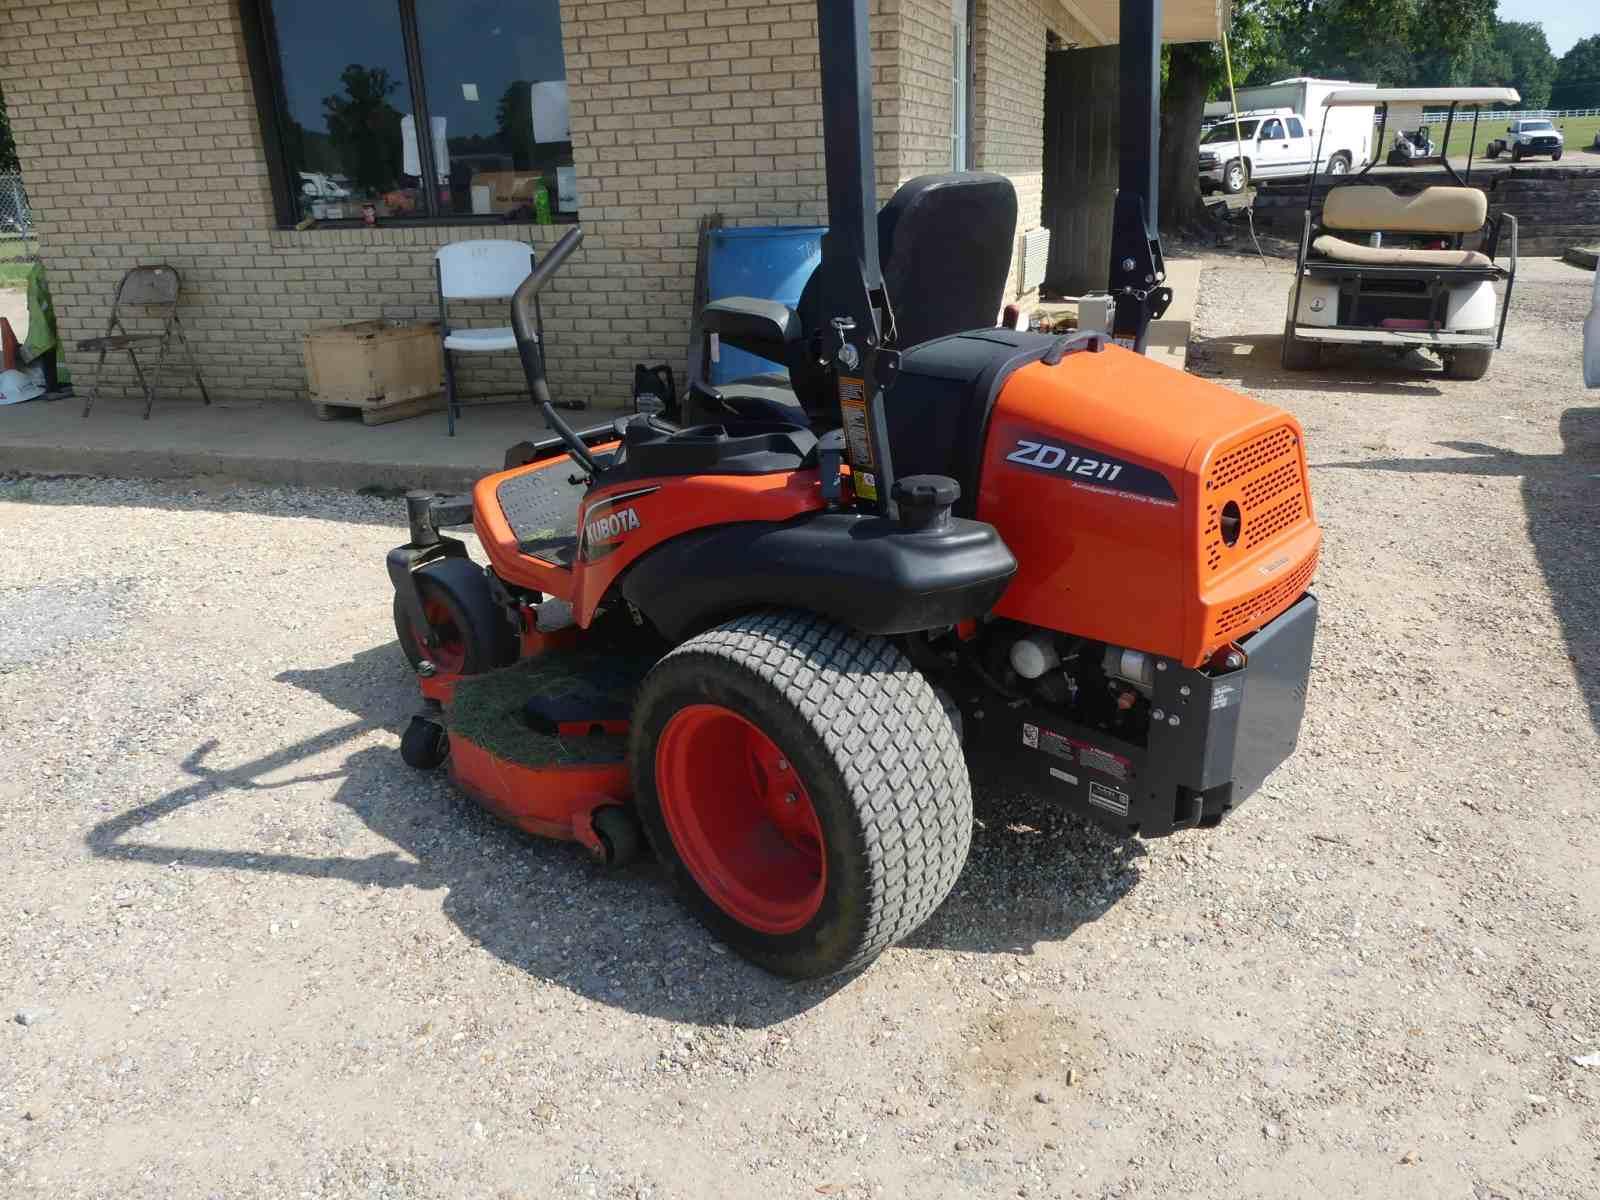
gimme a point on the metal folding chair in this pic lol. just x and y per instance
(155, 291)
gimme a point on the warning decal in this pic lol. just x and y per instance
(1072, 750)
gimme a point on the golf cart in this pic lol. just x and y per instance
(1377, 268)
(1411, 147)
(770, 640)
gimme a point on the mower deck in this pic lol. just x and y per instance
(543, 743)
(542, 509)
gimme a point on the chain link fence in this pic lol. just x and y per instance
(16, 219)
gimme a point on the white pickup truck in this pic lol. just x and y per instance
(1280, 127)
(1526, 136)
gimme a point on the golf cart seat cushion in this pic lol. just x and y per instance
(766, 328)
(1370, 208)
(1340, 250)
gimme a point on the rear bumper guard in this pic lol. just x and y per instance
(1213, 739)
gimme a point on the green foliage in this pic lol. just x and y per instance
(1393, 43)
(1577, 82)
(1520, 57)
(365, 128)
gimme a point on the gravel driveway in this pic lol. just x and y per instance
(250, 954)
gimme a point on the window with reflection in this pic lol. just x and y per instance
(415, 109)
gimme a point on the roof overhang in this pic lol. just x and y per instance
(1181, 20)
(1439, 97)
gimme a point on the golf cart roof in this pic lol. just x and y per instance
(1365, 97)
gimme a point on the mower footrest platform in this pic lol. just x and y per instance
(541, 507)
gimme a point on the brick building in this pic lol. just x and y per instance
(201, 132)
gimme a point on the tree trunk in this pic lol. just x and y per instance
(1183, 103)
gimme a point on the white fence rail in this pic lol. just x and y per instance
(1504, 114)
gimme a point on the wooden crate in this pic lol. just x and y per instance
(386, 371)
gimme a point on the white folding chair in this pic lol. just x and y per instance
(478, 271)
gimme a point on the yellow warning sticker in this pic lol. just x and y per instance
(857, 435)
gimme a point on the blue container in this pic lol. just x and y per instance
(769, 262)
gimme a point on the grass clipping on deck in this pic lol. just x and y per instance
(488, 710)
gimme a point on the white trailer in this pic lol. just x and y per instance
(1283, 140)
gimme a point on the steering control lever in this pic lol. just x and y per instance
(524, 328)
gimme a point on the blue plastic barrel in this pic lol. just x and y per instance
(769, 262)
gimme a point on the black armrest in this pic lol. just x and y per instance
(765, 328)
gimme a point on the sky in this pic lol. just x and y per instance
(1564, 21)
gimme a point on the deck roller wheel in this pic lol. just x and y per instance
(804, 787)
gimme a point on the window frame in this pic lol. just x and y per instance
(1296, 129)
(266, 81)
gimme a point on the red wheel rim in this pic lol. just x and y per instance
(741, 819)
(450, 654)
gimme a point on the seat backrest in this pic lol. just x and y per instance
(149, 287)
(945, 243)
(483, 269)
(1371, 208)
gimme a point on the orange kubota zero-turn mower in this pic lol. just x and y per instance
(775, 635)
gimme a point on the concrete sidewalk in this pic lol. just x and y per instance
(272, 442)
(264, 442)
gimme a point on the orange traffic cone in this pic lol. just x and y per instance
(8, 346)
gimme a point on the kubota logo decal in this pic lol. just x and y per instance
(1093, 471)
(611, 526)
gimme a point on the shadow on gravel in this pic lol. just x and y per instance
(1561, 494)
(1254, 360)
(618, 938)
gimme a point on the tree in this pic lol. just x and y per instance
(365, 128)
(1393, 43)
(1521, 58)
(1261, 39)
(1452, 42)
(514, 118)
(1577, 82)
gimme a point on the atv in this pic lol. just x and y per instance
(775, 638)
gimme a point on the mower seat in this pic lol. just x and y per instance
(944, 246)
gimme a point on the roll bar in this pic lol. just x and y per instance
(524, 328)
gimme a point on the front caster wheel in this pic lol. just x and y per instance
(620, 836)
(424, 745)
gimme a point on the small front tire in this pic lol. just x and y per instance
(424, 745)
(1235, 177)
(621, 839)
(1467, 364)
(471, 631)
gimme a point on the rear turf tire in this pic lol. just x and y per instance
(475, 635)
(857, 741)
(1467, 364)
